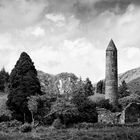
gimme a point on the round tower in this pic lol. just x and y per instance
(111, 80)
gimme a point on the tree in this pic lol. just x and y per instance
(88, 88)
(100, 87)
(33, 106)
(86, 108)
(123, 90)
(4, 79)
(22, 84)
(65, 111)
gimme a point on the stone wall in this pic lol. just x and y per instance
(130, 114)
(106, 116)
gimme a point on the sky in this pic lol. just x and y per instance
(70, 35)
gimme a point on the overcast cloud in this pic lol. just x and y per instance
(70, 35)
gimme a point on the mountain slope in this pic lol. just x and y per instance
(132, 78)
(60, 83)
(130, 75)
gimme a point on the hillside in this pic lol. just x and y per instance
(130, 75)
(59, 83)
(132, 78)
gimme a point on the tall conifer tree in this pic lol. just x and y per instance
(88, 88)
(23, 83)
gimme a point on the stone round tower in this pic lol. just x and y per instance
(111, 80)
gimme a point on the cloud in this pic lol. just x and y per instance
(86, 10)
(17, 14)
(55, 17)
(70, 35)
(78, 56)
(36, 31)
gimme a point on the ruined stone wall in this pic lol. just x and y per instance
(131, 114)
(108, 117)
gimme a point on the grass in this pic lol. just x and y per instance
(92, 133)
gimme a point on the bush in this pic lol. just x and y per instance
(83, 125)
(26, 128)
(88, 112)
(97, 98)
(101, 102)
(57, 123)
(64, 110)
(4, 118)
(129, 99)
(15, 123)
(86, 108)
(104, 104)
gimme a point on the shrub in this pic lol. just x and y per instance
(83, 125)
(97, 98)
(4, 118)
(105, 104)
(57, 123)
(64, 110)
(129, 99)
(5, 114)
(87, 112)
(26, 128)
(86, 108)
(15, 123)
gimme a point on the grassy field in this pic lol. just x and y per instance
(91, 133)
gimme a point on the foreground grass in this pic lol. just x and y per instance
(91, 133)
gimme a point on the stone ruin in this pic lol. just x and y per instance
(130, 114)
(106, 116)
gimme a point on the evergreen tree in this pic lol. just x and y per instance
(23, 83)
(4, 79)
(123, 90)
(88, 88)
(100, 87)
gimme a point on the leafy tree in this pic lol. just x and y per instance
(65, 111)
(88, 88)
(33, 106)
(100, 87)
(4, 79)
(22, 84)
(123, 90)
(86, 108)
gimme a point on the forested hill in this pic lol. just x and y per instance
(132, 78)
(130, 75)
(56, 83)
(50, 83)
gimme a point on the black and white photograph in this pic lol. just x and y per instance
(69, 69)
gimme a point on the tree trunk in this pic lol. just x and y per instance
(24, 118)
(33, 121)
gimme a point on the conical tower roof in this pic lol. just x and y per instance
(111, 46)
